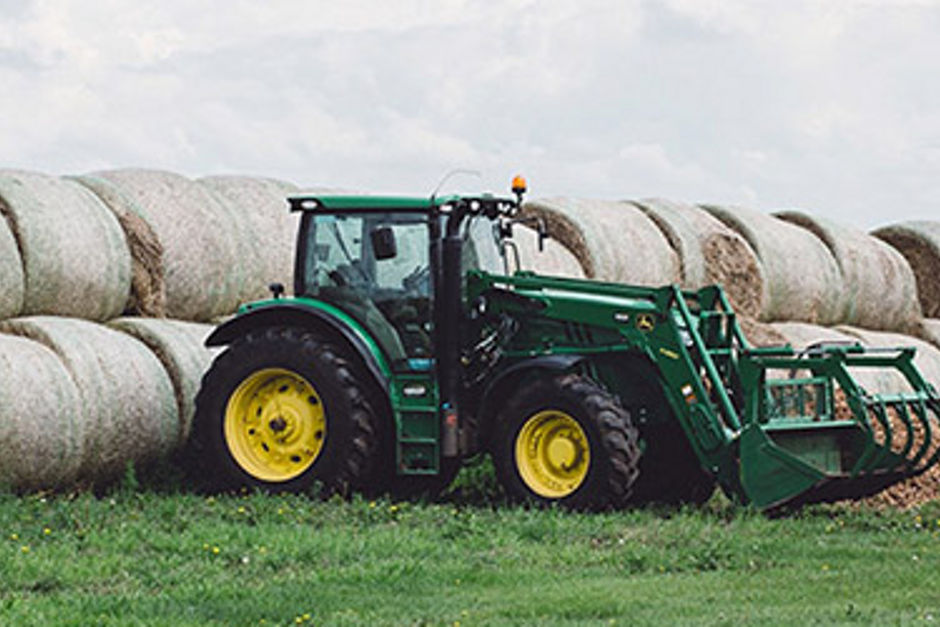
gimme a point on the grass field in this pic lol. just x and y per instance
(139, 556)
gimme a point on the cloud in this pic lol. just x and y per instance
(830, 106)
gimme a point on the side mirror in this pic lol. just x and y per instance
(543, 234)
(383, 242)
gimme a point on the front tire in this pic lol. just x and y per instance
(565, 440)
(278, 410)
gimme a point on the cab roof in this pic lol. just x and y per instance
(365, 203)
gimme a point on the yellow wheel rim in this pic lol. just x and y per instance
(552, 454)
(274, 425)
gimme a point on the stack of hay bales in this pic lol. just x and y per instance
(82, 400)
(919, 242)
(553, 260)
(613, 241)
(180, 347)
(203, 270)
(125, 399)
(709, 252)
(801, 278)
(41, 427)
(930, 331)
(75, 261)
(878, 289)
(259, 209)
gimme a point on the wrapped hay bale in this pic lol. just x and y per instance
(204, 273)
(148, 286)
(878, 289)
(709, 252)
(761, 333)
(801, 279)
(801, 335)
(126, 402)
(919, 242)
(74, 256)
(269, 228)
(613, 241)
(12, 282)
(930, 331)
(180, 347)
(553, 260)
(40, 421)
(927, 358)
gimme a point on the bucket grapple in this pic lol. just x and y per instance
(833, 421)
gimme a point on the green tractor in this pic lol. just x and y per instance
(409, 347)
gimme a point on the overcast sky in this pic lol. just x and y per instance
(831, 106)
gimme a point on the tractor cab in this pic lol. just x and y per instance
(376, 259)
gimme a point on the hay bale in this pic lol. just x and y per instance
(801, 335)
(878, 289)
(930, 331)
(204, 273)
(554, 260)
(801, 278)
(180, 347)
(919, 242)
(269, 229)
(709, 252)
(12, 281)
(126, 402)
(40, 422)
(761, 333)
(613, 241)
(75, 259)
(148, 285)
(927, 357)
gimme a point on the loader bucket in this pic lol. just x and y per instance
(813, 432)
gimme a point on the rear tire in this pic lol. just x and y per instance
(565, 440)
(278, 410)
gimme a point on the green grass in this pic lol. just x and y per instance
(139, 556)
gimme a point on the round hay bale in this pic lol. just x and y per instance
(761, 333)
(203, 267)
(878, 289)
(269, 229)
(126, 401)
(801, 335)
(180, 347)
(75, 259)
(148, 285)
(709, 252)
(40, 421)
(927, 357)
(801, 278)
(553, 260)
(12, 281)
(919, 242)
(613, 241)
(930, 331)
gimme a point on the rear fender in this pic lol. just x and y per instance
(334, 325)
(500, 388)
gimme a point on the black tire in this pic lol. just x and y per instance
(613, 453)
(344, 437)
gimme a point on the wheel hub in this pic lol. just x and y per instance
(290, 407)
(552, 454)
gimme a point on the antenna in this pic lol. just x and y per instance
(452, 174)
